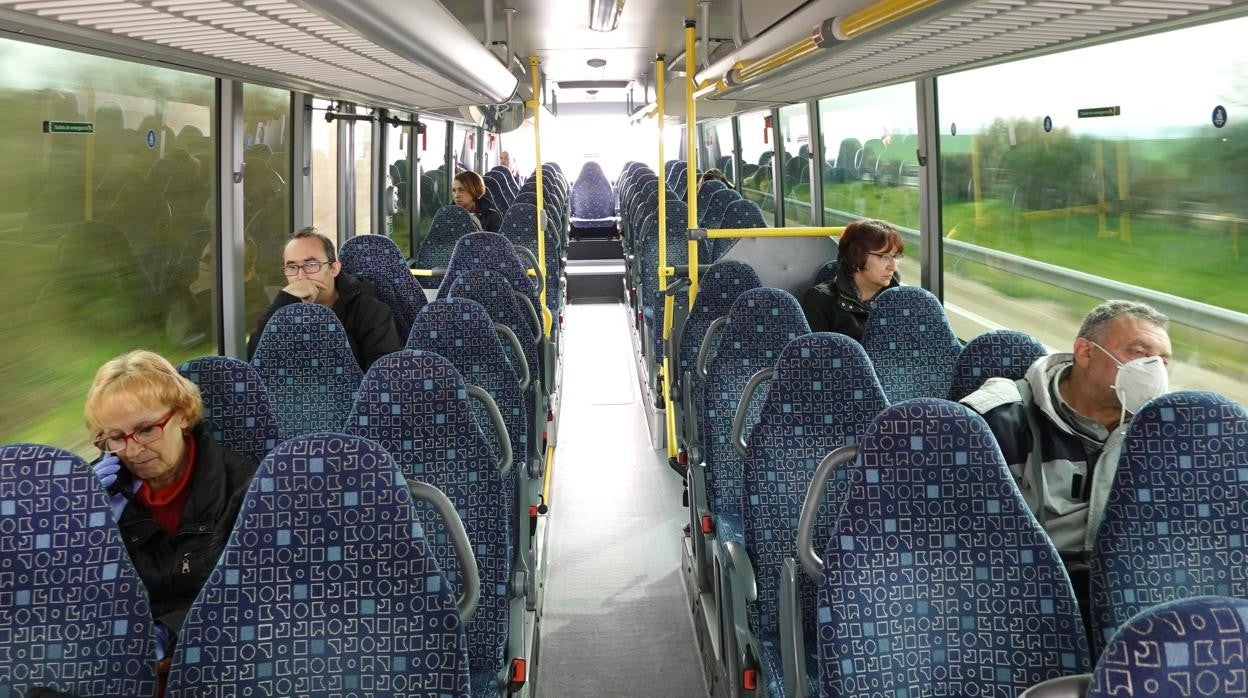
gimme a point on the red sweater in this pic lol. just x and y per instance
(167, 504)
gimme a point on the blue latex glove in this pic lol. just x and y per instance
(163, 642)
(106, 469)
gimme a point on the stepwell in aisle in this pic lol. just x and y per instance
(616, 620)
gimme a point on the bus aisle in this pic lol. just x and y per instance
(616, 620)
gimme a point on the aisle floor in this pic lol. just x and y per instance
(616, 621)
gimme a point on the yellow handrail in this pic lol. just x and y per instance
(534, 63)
(784, 56)
(665, 368)
(807, 232)
(879, 14)
(691, 159)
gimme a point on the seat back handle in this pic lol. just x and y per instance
(470, 594)
(704, 351)
(811, 561)
(500, 427)
(743, 408)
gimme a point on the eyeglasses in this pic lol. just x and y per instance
(142, 436)
(312, 267)
(886, 258)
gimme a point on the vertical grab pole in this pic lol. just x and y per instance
(665, 372)
(691, 153)
(534, 64)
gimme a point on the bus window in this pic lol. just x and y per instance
(757, 182)
(324, 170)
(794, 166)
(1075, 174)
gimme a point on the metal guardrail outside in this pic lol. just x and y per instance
(1183, 311)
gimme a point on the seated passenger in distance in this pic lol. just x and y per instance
(714, 173)
(866, 258)
(174, 491)
(1061, 427)
(315, 276)
(468, 191)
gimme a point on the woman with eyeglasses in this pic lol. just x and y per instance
(174, 491)
(866, 263)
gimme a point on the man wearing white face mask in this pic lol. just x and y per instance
(1061, 428)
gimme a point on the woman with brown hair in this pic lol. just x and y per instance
(468, 192)
(866, 264)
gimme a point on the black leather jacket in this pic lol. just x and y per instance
(833, 306)
(174, 567)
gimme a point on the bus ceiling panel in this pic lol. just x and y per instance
(274, 42)
(972, 35)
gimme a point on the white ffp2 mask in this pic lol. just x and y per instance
(1138, 380)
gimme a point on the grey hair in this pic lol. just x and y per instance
(1095, 321)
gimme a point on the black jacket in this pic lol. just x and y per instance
(491, 220)
(174, 567)
(833, 306)
(368, 322)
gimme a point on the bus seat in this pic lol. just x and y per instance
(236, 404)
(415, 404)
(1176, 517)
(1192, 646)
(461, 331)
(305, 362)
(377, 259)
(491, 290)
(718, 289)
(593, 201)
(498, 192)
(826, 273)
(934, 535)
(520, 227)
(449, 224)
(712, 212)
(339, 593)
(823, 394)
(909, 339)
(999, 353)
(677, 254)
(51, 635)
(708, 188)
(761, 322)
(741, 213)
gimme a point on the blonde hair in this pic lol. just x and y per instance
(150, 379)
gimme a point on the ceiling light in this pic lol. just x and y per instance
(604, 15)
(592, 92)
(596, 63)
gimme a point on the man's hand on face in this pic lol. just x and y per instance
(306, 290)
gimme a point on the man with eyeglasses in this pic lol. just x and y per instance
(315, 275)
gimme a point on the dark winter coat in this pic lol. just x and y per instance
(174, 567)
(368, 321)
(835, 306)
(489, 217)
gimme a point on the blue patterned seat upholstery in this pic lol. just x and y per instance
(824, 394)
(935, 546)
(520, 228)
(909, 339)
(999, 353)
(677, 254)
(416, 406)
(761, 322)
(1176, 518)
(709, 187)
(498, 191)
(490, 290)
(449, 224)
(377, 259)
(741, 213)
(827, 272)
(712, 212)
(718, 288)
(236, 404)
(1195, 646)
(463, 332)
(490, 251)
(74, 615)
(327, 586)
(592, 198)
(307, 366)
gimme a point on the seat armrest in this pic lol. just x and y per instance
(1061, 687)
